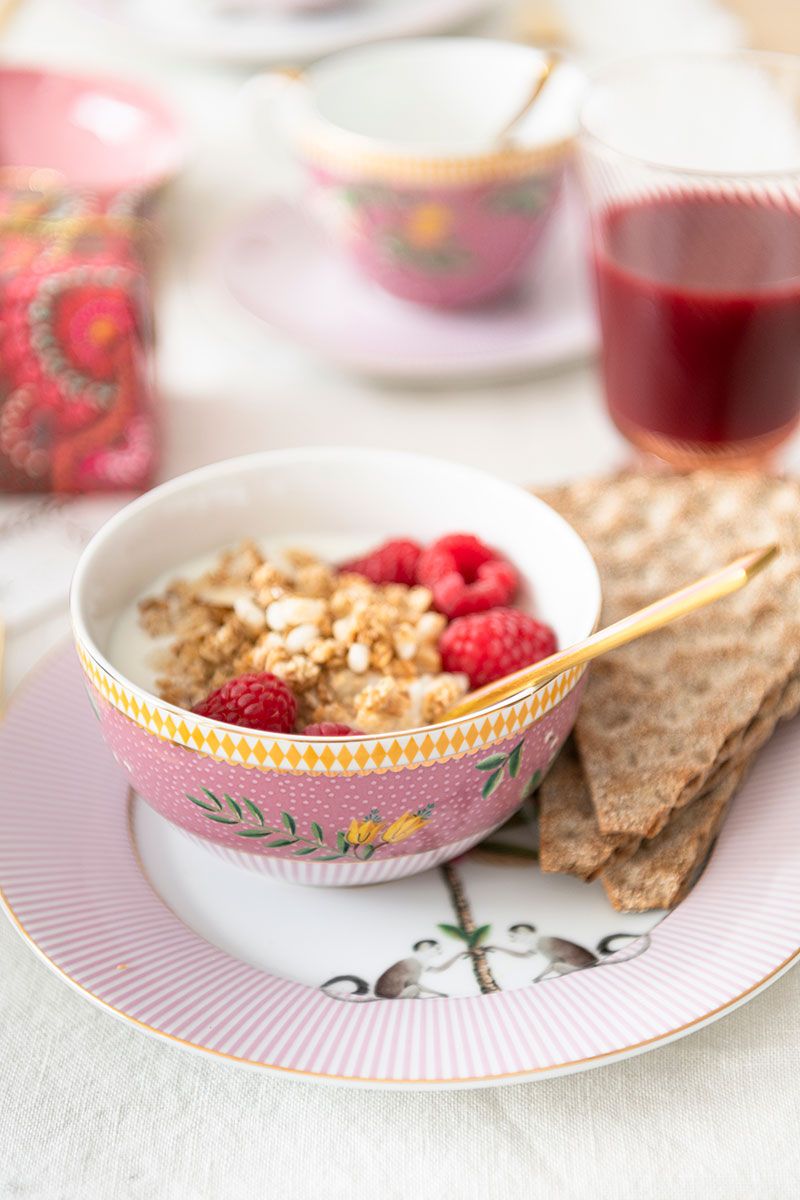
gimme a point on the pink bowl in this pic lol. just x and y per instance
(106, 135)
(337, 811)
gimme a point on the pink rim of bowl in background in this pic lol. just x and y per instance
(106, 135)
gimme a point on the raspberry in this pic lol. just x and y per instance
(487, 645)
(329, 729)
(465, 575)
(258, 701)
(466, 551)
(392, 562)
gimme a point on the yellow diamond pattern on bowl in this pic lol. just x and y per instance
(273, 752)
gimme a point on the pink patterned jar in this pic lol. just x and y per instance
(403, 142)
(82, 158)
(347, 810)
(76, 387)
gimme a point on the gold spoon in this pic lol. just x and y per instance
(551, 61)
(548, 66)
(678, 604)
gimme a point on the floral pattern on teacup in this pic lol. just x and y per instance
(411, 230)
(442, 244)
(526, 199)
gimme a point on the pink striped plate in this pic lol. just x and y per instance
(465, 975)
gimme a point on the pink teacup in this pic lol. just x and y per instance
(403, 142)
(350, 810)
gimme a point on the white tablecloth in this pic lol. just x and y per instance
(89, 1107)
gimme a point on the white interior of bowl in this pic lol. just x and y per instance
(444, 96)
(370, 494)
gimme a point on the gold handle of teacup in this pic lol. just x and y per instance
(654, 616)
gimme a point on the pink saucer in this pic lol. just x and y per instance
(281, 267)
(103, 134)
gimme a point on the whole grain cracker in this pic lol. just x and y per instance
(659, 714)
(663, 869)
(569, 836)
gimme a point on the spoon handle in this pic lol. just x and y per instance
(678, 604)
(548, 66)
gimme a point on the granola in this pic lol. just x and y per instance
(352, 651)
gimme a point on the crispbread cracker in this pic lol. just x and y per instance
(569, 838)
(664, 868)
(780, 705)
(661, 713)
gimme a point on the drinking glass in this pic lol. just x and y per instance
(691, 169)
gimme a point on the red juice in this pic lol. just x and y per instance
(699, 300)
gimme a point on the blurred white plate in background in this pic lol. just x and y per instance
(264, 34)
